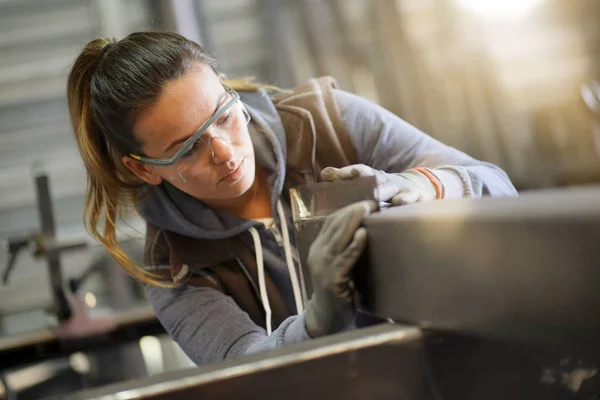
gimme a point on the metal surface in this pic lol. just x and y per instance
(506, 288)
(473, 368)
(384, 362)
(519, 268)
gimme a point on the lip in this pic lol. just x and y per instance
(233, 175)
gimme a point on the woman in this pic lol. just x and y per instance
(208, 168)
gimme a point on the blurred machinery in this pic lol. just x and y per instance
(69, 327)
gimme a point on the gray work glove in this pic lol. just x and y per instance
(331, 258)
(410, 186)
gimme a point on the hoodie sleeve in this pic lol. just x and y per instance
(209, 326)
(385, 142)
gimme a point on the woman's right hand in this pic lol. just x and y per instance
(331, 258)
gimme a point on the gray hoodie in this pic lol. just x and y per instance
(207, 324)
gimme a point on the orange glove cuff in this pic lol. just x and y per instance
(439, 187)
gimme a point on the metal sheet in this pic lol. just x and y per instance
(384, 362)
(506, 289)
(474, 368)
(519, 269)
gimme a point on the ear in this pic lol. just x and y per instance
(142, 171)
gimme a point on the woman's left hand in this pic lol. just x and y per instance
(408, 187)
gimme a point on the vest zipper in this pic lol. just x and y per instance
(275, 231)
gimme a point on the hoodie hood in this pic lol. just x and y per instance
(167, 207)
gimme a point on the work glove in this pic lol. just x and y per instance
(410, 186)
(331, 258)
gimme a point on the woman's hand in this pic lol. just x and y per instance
(331, 258)
(410, 186)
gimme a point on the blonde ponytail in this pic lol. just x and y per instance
(248, 84)
(111, 188)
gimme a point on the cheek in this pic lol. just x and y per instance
(249, 168)
(201, 175)
(165, 173)
(247, 145)
(198, 184)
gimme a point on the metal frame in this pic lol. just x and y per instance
(382, 362)
(48, 230)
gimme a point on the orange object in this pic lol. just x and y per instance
(439, 188)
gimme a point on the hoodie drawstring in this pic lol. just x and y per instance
(287, 248)
(262, 286)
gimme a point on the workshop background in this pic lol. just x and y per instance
(507, 81)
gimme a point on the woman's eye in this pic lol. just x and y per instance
(191, 151)
(224, 119)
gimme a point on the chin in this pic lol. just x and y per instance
(244, 184)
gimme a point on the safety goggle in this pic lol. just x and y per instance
(165, 162)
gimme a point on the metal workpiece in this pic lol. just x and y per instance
(382, 362)
(515, 268)
(506, 291)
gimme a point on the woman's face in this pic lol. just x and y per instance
(221, 164)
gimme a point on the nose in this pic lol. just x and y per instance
(222, 150)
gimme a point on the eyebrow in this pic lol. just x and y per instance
(179, 141)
